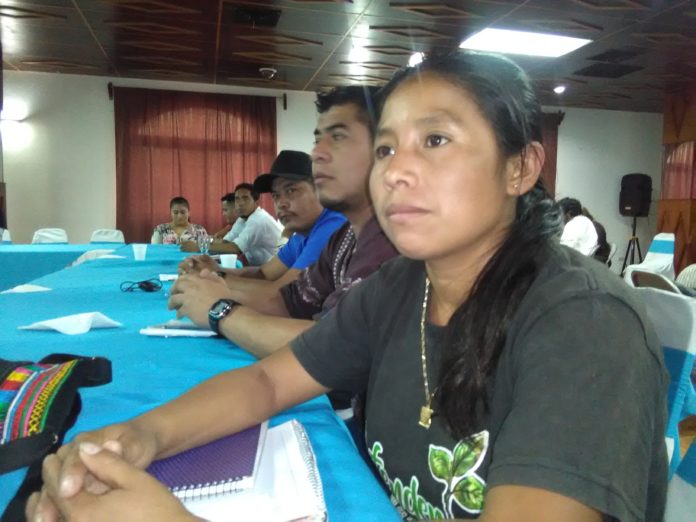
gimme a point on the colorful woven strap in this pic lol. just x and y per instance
(26, 396)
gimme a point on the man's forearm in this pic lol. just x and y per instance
(224, 247)
(261, 334)
(259, 295)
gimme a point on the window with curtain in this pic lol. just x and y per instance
(195, 145)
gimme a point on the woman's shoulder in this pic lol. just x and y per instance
(571, 281)
(162, 227)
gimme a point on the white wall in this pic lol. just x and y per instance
(59, 162)
(595, 149)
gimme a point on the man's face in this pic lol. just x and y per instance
(296, 204)
(244, 204)
(342, 158)
(228, 212)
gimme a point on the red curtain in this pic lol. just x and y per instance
(549, 138)
(678, 171)
(195, 145)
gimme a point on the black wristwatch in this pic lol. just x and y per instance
(218, 312)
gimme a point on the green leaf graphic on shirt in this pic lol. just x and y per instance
(467, 453)
(469, 492)
(440, 462)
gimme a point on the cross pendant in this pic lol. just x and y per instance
(425, 414)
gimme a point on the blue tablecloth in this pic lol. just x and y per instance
(22, 263)
(148, 371)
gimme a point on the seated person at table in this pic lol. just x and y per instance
(579, 232)
(178, 229)
(298, 208)
(270, 318)
(495, 389)
(229, 214)
(254, 234)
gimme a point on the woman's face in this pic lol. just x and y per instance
(180, 214)
(439, 186)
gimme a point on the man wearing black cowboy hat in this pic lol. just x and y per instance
(297, 207)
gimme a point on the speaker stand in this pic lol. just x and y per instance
(633, 245)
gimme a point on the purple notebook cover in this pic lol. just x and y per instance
(225, 460)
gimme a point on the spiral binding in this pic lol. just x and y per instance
(210, 489)
(312, 470)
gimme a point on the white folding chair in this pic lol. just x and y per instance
(674, 318)
(687, 277)
(658, 260)
(107, 235)
(640, 279)
(6, 238)
(50, 235)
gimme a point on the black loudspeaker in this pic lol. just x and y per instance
(634, 199)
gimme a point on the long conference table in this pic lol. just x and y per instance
(148, 371)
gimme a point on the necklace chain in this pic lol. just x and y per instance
(426, 411)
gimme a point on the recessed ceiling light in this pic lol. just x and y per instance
(415, 59)
(559, 89)
(522, 42)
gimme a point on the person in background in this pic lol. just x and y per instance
(229, 214)
(298, 208)
(178, 230)
(255, 234)
(579, 232)
(496, 386)
(603, 249)
(269, 318)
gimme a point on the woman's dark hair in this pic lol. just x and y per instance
(248, 186)
(179, 200)
(477, 331)
(572, 207)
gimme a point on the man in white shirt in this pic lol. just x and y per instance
(255, 234)
(579, 231)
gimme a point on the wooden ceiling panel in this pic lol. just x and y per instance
(639, 47)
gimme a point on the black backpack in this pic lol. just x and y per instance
(39, 403)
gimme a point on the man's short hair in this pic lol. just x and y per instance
(229, 197)
(250, 188)
(363, 97)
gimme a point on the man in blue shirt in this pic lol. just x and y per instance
(297, 207)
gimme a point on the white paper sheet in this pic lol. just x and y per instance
(74, 324)
(20, 289)
(177, 328)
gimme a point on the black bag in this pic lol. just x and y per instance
(39, 403)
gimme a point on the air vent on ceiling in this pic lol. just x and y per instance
(615, 56)
(251, 16)
(607, 70)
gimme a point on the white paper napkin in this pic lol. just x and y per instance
(168, 277)
(74, 324)
(19, 289)
(111, 256)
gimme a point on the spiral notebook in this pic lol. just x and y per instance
(222, 466)
(287, 485)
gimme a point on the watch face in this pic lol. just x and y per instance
(219, 308)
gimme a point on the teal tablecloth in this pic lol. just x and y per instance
(148, 371)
